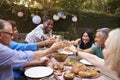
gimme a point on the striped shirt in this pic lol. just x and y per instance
(37, 35)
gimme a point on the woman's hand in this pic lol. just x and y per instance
(76, 42)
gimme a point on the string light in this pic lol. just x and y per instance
(29, 3)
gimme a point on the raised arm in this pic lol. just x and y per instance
(49, 41)
(56, 46)
(98, 62)
(40, 62)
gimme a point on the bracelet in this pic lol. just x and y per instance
(76, 53)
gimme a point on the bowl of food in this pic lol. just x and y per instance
(68, 76)
(60, 57)
(71, 62)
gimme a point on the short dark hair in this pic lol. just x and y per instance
(2, 24)
(47, 18)
(13, 23)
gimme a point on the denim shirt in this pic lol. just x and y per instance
(10, 59)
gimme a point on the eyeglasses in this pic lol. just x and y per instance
(11, 34)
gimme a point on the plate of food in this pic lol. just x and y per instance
(58, 68)
(38, 72)
(70, 62)
(85, 62)
(89, 73)
(66, 51)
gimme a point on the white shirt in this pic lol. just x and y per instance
(37, 35)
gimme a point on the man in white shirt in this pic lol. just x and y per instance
(41, 32)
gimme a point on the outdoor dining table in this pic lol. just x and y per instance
(53, 76)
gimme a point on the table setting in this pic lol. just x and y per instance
(65, 65)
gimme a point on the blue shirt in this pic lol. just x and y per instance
(23, 46)
(10, 59)
(98, 51)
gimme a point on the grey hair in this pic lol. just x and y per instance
(2, 24)
(104, 31)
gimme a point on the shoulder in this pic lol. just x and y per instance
(95, 46)
(13, 42)
(5, 51)
(2, 46)
(40, 26)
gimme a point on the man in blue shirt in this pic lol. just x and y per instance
(10, 59)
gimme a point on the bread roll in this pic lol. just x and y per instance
(78, 67)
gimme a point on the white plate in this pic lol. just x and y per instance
(65, 52)
(38, 72)
(85, 62)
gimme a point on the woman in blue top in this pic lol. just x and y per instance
(23, 46)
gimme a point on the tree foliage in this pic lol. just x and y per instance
(70, 6)
(113, 5)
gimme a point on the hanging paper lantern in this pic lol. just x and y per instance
(64, 17)
(20, 14)
(55, 17)
(60, 14)
(74, 19)
(36, 19)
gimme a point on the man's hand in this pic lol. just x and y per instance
(50, 41)
(71, 48)
(56, 46)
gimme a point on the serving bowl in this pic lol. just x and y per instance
(60, 57)
(68, 76)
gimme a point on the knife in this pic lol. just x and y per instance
(56, 77)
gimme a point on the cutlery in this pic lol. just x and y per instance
(56, 77)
